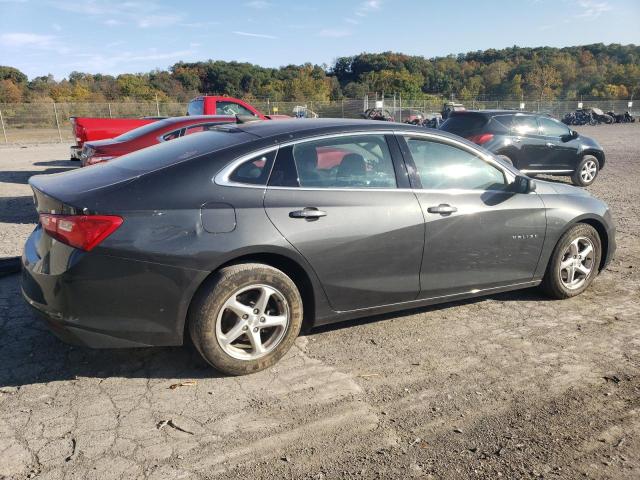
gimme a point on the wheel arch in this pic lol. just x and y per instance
(598, 154)
(293, 268)
(599, 227)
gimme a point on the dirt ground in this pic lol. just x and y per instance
(510, 386)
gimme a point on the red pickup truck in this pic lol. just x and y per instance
(86, 129)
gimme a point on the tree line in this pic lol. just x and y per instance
(590, 71)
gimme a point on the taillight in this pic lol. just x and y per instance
(80, 231)
(481, 138)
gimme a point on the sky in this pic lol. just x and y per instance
(60, 36)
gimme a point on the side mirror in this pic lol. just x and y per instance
(523, 184)
(572, 135)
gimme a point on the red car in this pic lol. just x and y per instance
(86, 129)
(159, 131)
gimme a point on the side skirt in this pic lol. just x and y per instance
(424, 302)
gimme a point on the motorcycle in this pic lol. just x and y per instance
(378, 114)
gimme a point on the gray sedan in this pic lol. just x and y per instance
(242, 235)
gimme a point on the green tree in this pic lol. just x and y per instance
(542, 80)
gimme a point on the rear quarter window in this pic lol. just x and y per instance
(463, 124)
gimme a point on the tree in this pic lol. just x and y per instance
(10, 92)
(542, 80)
(515, 86)
(13, 74)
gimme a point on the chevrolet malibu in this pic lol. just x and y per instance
(242, 235)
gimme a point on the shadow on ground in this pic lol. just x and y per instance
(31, 354)
(23, 176)
(18, 210)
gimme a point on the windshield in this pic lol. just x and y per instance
(143, 130)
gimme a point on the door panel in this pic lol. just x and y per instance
(494, 238)
(534, 151)
(366, 250)
(479, 233)
(563, 154)
(336, 201)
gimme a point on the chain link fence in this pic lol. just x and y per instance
(50, 122)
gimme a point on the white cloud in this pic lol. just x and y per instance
(19, 39)
(257, 35)
(352, 21)
(126, 61)
(334, 33)
(258, 4)
(367, 7)
(112, 22)
(154, 21)
(592, 9)
(24, 41)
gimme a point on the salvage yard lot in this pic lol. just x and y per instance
(512, 385)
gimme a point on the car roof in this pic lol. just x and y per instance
(283, 130)
(490, 113)
(196, 118)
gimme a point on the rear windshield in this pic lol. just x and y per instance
(143, 130)
(181, 149)
(463, 123)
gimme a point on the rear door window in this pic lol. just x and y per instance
(358, 161)
(524, 125)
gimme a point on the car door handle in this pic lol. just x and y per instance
(550, 145)
(442, 209)
(308, 213)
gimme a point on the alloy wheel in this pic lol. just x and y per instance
(588, 171)
(252, 322)
(577, 263)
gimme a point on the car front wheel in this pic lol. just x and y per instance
(574, 262)
(246, 318)
(586, 172)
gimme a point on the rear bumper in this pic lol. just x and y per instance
(102, 301)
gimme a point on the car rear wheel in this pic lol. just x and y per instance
(574, 262)
(246, 318)
(586, 172)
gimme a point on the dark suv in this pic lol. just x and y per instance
(533, 143)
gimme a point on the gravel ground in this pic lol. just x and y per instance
(511, 386)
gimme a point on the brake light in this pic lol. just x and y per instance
(481, 138)
(80, 231)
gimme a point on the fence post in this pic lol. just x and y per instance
(110, 116)
(4, 132)
(157, 105)
(342, 106)
(55, 112)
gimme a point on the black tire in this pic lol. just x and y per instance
(211, 298)
(552, 283)
(588, 162)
